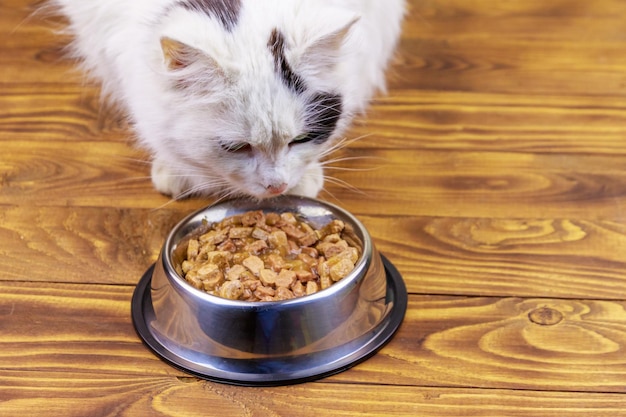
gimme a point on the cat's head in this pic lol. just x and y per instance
(255, 100)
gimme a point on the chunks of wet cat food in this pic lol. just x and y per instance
(259, 256)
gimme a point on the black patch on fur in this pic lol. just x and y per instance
(323, 114)
(226, 11)
(276, 44)
(323, 110)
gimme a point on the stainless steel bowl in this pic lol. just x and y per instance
(269, 343)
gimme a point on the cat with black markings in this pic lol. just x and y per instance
(237, 97)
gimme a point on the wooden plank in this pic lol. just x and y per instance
(82, 245)
(451, 38)
(530, 48)
(492, 176)
(71, 328)
(505, 257)
(447, 183)
(530, 8)
(484, 184)
(61, 113)
(421, 119)
(457, 256)
(512, 343)
(418, 119)
(32, 46)
(432, 68)
(546, 344)
(87, 394)
(81, 173)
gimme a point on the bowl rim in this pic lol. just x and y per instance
(183, 287)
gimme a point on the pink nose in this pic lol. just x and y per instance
(277, 188)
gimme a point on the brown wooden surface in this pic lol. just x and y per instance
(493, 176)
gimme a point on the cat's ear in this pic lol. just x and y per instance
(178, 55)
(190, 66)
(324, 52)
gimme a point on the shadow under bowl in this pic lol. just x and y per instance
(269, 343)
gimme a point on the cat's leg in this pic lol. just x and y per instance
(311, 182)
(166, 180)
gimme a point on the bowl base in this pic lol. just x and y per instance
(293, 369)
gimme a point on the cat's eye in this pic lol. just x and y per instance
(303, 138)
(236, 147)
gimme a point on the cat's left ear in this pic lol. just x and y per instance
(325, 52)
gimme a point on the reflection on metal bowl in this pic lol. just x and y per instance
(269, 343)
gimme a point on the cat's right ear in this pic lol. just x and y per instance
(190, 66)
(179, 55)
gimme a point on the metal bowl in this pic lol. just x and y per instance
(269, 343)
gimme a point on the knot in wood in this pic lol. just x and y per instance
(545, 316)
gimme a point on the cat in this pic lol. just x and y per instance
(236, 97)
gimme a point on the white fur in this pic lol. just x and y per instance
(241, 99)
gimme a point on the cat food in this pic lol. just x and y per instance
(257, 256)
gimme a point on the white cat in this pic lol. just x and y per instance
(237, 97)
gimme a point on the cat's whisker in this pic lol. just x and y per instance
(348, 141)
(331, 195)
(320, 108)
(190, 172)
(135, 179)
(148, 177)
(319, 120)
(197, 189)
(342, 144)
(164, 205)
(225, 195)
(348, 169)
(344, 184)
(207, 185)
(328, 163)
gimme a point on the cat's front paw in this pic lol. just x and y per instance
(165, 180)
(311, 182)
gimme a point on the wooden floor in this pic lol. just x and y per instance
(496, 185)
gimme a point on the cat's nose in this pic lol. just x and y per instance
(277, 188)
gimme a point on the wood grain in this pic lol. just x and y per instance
(477, 184)
(59, 113)
(491, 342)
(90, 245)
(436, 255)
(449, 184)
(98, 396)
(492, 175)
(505, 257)
(454, 120)
(514, 343)
(99, 367)
(527, 48)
